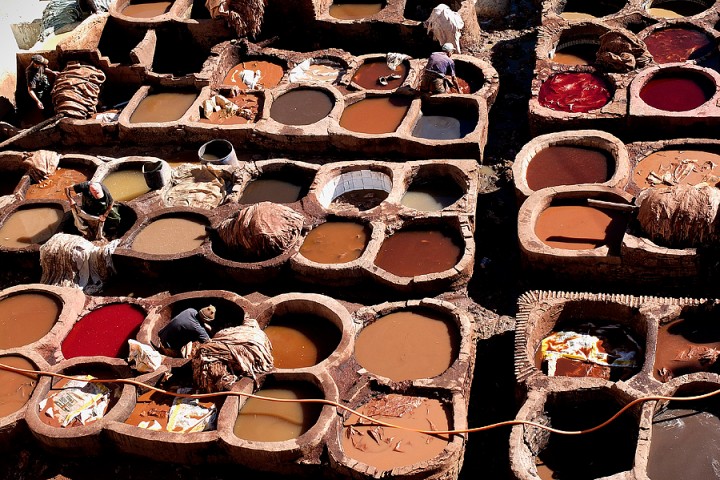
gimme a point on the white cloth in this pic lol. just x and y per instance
(394, 59)
(445, 25)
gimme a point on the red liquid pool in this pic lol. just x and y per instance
(574, 92)
(104, 332)
(678, 45)
(677, 92)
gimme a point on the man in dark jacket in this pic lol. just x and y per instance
(190, 325)
(97, 207)
(38, 77)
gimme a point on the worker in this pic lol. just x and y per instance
(97, 208)
(188, 326)
(38, 77)
(439, 73)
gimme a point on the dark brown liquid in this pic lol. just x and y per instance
(268, 421)
(678, 44)
(270, 73)
(577, 227)
(271, 190)
(375, 115)
(30, 226)
(686, 346)
(162, 107)
(146, 10)
(407, 346)
(391, 447)
(53, 187)
(705, 167)
(335, 242)
(564, 165)
(353, 11)
(170, 235)
(418, 252)
(301, 107)
(301, 340)
(26, 317)
(369, 72)
(15, 388)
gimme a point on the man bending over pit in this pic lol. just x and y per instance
(97, 209)
(188, 326)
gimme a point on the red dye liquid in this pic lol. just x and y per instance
(678, 45)
(574, 92)
(104, 332)
(677, 93)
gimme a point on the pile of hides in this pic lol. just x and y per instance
(76, 90)
(40, 164)
(619, 52)
(263, 230)
(244, 16)
(680, 216)
(445, 25)
(233, 352)
(72, 261)
(219, 103)
(198, 186)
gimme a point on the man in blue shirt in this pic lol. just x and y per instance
(190, 325)
(439, 73)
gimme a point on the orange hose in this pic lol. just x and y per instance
(355, 412)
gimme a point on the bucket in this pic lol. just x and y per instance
(218, 152)
(154, 174)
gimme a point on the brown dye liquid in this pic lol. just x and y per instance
(678, 44)
(267, 421)
(685, 443)
(56, 389)
(387, 448)
(270, 74)
(126, 185)
(564, 165)
(686, 346)
(30, 226)
(676, 164)
(369, 72)
(418, 252)
(162, 107)
(155, 406)
(53, 187)
(301, 107)
(577, 227)
(248, 107)
(361, 199)
(598, 454)
(15, 388)
(146, 10)
(271, 190)
(407, 346)
(354, 11)
(301, 340)
(167, 236)
(26, 317)
(335, 242)
(576, 54)
(375, 115)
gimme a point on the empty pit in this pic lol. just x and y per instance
(363, 189)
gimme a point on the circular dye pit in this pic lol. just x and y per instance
(408, 345)
(432, 195)
(160, 412)
(249, 108)
(63, 404)
(53, 187)
(579, 227)
(272, 190)
(171, 235)
(568, 165)
(270, 74)
(686, 345)
(301, 340)
(375, 115)
(323, 71)
(354, 11)
(442, 127)
(370, 74)
(406, 447)
(104, 331)
(685, 166)
(678, 44)
(684, 442)
(676, 8)
(267, 421)
(126, 185)
(410, 253)
(146, 10)
(601, 453)
(589, 349)
(302, 106)
(335, 242)
(15, 388)
(677, 91)
(575, 53)
(29, 226)
(574, 92)
(162, 107)
(26, 318)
